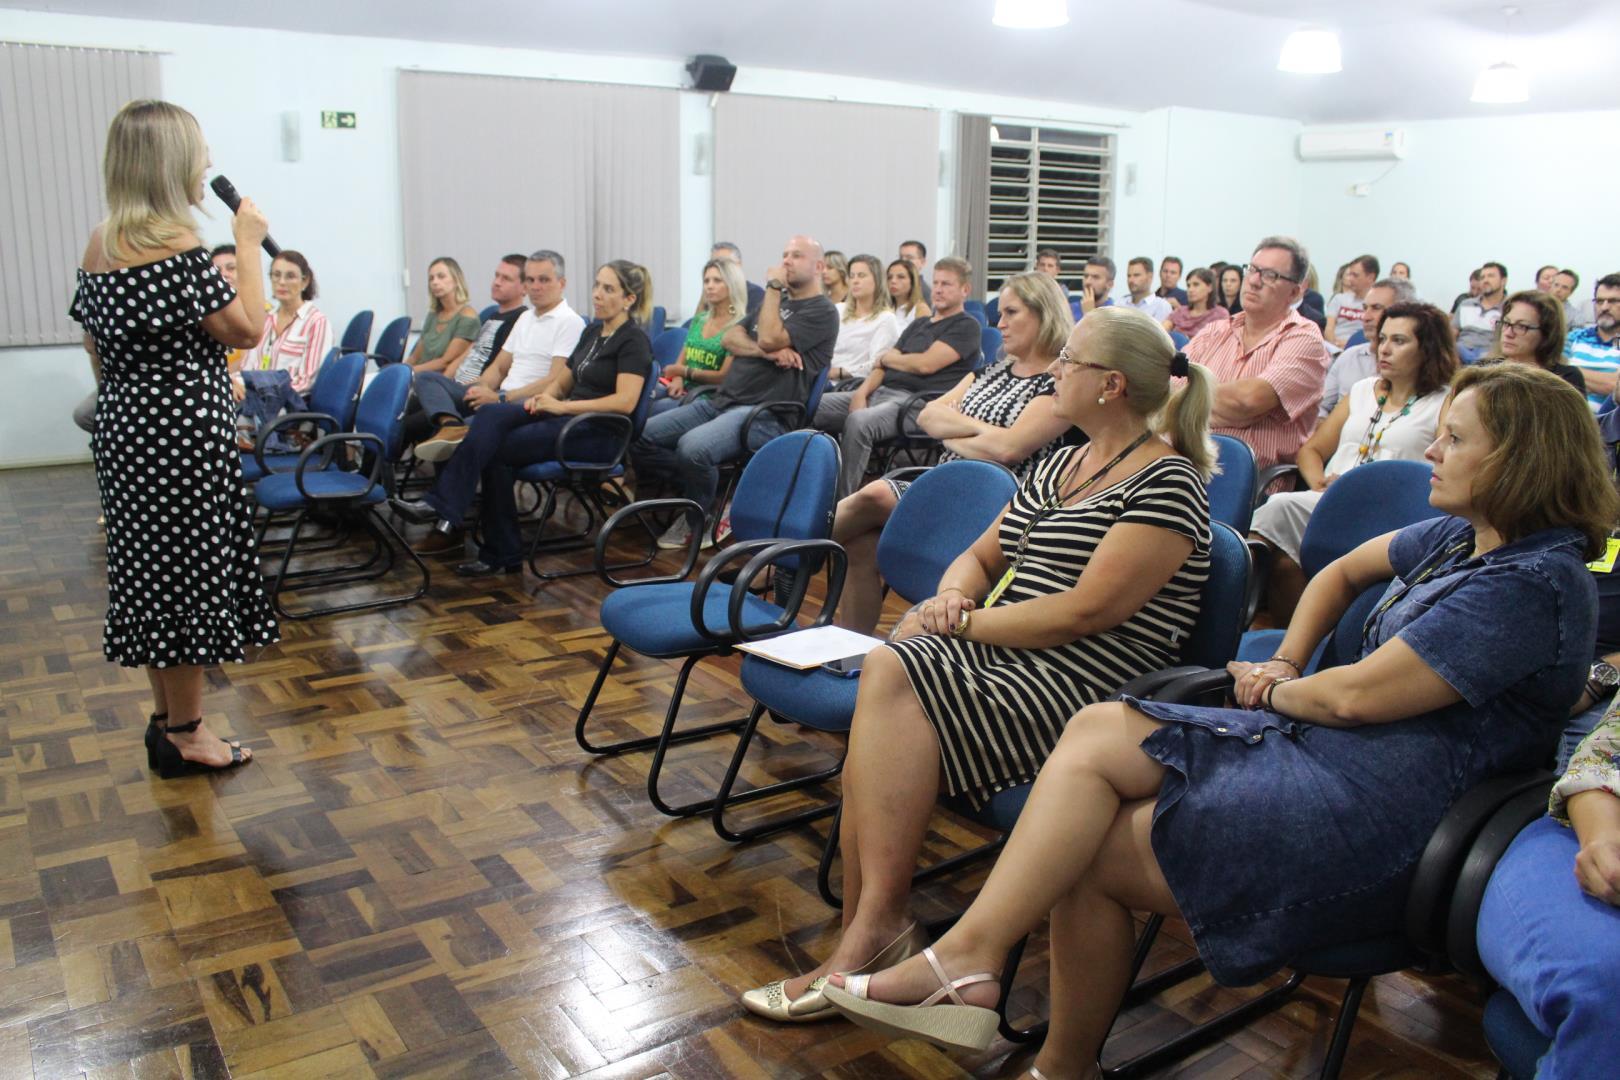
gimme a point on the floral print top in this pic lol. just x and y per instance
(1595, 765)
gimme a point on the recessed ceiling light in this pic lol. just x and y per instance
(1502, 84)
(1031, 14)
(1311, 51)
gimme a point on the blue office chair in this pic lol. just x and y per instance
(585, 480)
(656, 321)
(1074, 307)
(489, 313)
(791, 415)
(1179, 339)
(787, 493)
(1231, 491)
(992, 310)
(357, 335)
(391, 342)
(977, 309)
(1357, 338)
(324, 481)
(668, 346)
(332, 401)
(989, 347)
(1367, 501)
(940, 515)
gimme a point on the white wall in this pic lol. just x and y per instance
(340, 202)
(1521, 190)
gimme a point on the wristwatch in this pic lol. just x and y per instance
(500, 396)
(780, 286)
(1602, 680)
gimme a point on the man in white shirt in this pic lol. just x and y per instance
(1474, 321)
(1139, 280)
(537, 347)
(1361, 360)
(1345, 309)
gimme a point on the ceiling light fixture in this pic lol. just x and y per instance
(1501, 84)
(1311, 50)
(1031, 14)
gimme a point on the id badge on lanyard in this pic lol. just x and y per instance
(1604, 564)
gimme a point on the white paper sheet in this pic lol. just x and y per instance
(810, 648)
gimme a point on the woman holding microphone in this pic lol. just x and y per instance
(184, 590)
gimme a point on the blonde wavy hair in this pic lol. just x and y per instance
(460, 296)
(736, 290)
(153, 170)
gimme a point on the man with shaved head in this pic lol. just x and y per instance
(776, 353)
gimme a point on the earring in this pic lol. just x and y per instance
(1102, 400)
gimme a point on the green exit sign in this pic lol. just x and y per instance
(331, 119)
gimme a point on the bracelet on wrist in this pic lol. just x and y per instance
(1271, 691)
(1295, 664)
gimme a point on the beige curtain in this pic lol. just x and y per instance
(858, 178)
(491, 165)
(55, 106)
(972, 210)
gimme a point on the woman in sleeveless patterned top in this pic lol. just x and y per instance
(1092, 576)
(1002, 414)
(184, 589)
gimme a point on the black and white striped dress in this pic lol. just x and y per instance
(999, 397)
(998, 711)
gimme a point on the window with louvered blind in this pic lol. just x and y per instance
(1049, 188)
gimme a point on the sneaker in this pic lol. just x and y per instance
(723, 530)
(679, 535)
(443, 444)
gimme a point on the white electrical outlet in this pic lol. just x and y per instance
(1361, 191)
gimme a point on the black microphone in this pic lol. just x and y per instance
(230, 197)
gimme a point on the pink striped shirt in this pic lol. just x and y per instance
(300, 348)
(1293, 358)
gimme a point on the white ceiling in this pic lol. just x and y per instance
(1404, 59)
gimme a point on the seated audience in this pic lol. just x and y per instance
(1401, 404)
(1532, 332)
(1361, 360)
(606, 372)
(725, 249)
(1324, 790)
(528, 343)
(1049, 261)
(1595, 349)
(704, 360)
(905, 293)
(867, 328)
(1549, 927)
(1475, 284)
(1576, 314)
(1096, 284)
(1475, 317)
(1139, 282)
(1229, 288)
(1545, 276)
(835, 279)
(1400, 272)
(1268, 360)
(1311, 305)
(1170, 281)
(916, 253)
(1603, 680)
(1005, 414)
(296, 333)
(931, 356)
(451, 324)
(776, 354)
(1197, 308)
(1344, 310)
(1092, 575)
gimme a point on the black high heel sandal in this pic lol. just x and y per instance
(154, 735)
(171, 764)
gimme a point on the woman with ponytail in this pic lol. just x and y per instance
(1091, 576)
(606, 373)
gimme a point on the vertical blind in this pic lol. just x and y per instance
(58, 103)
(491, 165)
(1049, 188)
(858, 178)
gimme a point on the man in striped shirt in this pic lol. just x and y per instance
(1595, 349)
(1269, 361)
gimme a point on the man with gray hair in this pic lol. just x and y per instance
(725, 249)
(538, 345)
(1361, 360)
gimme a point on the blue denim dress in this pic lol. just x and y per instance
(1277, 836)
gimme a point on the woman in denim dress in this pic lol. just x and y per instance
(1297, 821)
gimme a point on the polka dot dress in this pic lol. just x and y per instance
(183, 584)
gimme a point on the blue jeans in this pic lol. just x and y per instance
(440, 396)
(525, 445)
(458, 478)
(269, 394)
(693, 441)
(1555, 949)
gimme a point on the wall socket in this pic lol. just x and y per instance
(1361, 191)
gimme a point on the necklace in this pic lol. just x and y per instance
(1374, 438)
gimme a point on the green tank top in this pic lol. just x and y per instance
(703, 353)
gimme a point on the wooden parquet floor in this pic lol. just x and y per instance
(421, 875)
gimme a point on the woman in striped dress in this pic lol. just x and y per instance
(1091, 576)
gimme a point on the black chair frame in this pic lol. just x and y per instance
(586, 481)
(795, 415)
(921, 449)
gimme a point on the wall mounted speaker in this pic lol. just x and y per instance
(711, 73)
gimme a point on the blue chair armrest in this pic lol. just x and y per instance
(320, 421)
(837, 560)
(739, 588)
(794, 409)
(694, 514)
(560, 447)
(325, 448)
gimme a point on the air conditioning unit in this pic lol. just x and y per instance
(1372, 144)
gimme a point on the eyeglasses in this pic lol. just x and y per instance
(1063, 357)
(1268, 276)
(1518, 327)
(286, 275)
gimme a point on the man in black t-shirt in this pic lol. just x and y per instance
(777, 352)
(931, 356)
